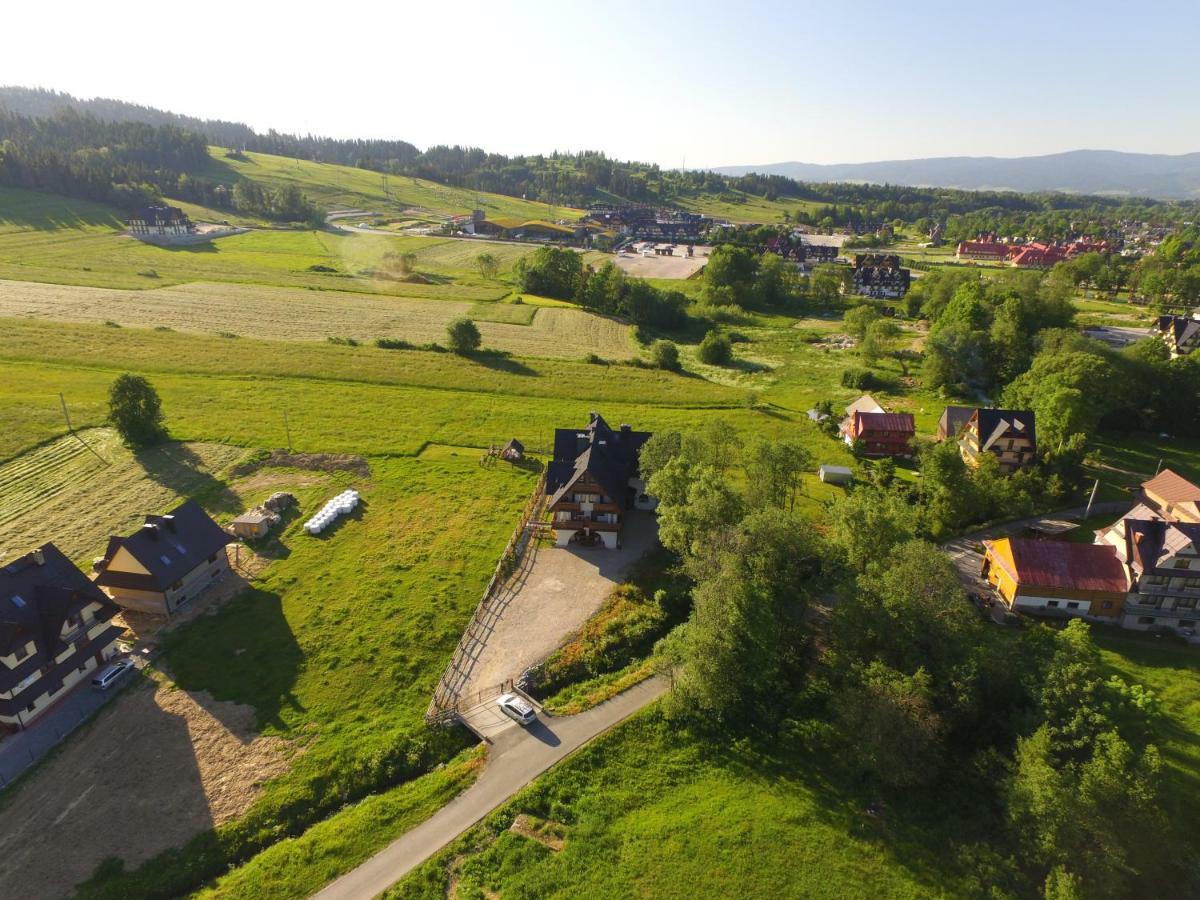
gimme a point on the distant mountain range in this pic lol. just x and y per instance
(1108, 172)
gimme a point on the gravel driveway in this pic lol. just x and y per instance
(563, 589)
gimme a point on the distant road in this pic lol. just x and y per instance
(518, 756)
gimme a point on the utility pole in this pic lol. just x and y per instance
(288, 428)
(1087, 514)
(66, 415)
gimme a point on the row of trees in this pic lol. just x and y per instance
(560, 273)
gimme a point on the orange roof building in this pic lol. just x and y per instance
(1057, 577)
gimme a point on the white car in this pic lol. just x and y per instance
(108, 677)
(517, 708)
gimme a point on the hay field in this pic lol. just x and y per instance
(79, 489)
(298, 315)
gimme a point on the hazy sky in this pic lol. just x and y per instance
(712, 83)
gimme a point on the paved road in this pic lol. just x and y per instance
(517, 757)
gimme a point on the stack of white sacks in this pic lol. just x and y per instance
(341, 505)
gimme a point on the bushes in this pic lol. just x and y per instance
(394, 344)
(342, 341)
(463, 336)
(550, 272)
(860, 379)
(665, 355)
(623, 630)
(716, 349)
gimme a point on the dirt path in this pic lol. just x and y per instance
(160, 766)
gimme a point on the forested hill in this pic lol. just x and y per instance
(96, 140)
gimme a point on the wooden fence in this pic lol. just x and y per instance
(516, 556)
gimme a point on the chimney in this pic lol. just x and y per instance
(593, 416)
(169, 521)
(151, 531)
(39, 557)
(625, 429)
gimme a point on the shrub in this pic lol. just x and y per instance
(666, 355)
(109, 323)
(595, 360)
(463, 336)
(860, 379)
(716, 349)
(393, 344)
(343, 341)
(135, 411)
(148, 273)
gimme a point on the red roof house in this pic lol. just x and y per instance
(880, 433)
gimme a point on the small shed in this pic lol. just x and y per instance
(513, 451)
(835, 474)
(253, 523)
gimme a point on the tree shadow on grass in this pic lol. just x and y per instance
(501, 361)
(245, 653)
(180, 469)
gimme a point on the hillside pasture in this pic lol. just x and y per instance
(292, 315)
(81, 488)
(24, 211)
(334, 186)
(324, 260)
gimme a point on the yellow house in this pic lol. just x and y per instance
(1056, 577)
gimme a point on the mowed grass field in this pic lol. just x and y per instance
(323, 260)
(81, 488)
(296, 315)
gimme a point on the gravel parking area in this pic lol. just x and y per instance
(562, 590)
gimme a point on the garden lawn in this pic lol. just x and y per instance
(651, 812)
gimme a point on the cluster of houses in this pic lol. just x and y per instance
(1141, 572)
(1009, 435)
(801, 250)
(645, 222)
(1031, 255)
(56, 623)
(880, 275)
(593, 481)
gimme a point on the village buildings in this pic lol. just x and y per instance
(1181, 334)
(1056, 577)
(880, 275)
(1008, 434)
(952, 422)
(165, 563)
(875, 432)
(593, 482)
(159, 221)
(55, 628)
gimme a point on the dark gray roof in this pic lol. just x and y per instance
(610, 457)
(36, 599)
(954, 418)
(168, 546)
(994, 423)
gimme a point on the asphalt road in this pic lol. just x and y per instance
(518, 756)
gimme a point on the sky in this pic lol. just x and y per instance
(699, 84)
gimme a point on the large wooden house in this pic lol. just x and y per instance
(1181, 334)
(1159, 543)
(880, 433)
(880, 275)
(593, 482)
(167, 562)
(1007, 434)
(1056, 577)
(55, 627)
(159, 221)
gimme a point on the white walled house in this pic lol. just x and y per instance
(55, 628)
(593, 481)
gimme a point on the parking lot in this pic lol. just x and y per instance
(679, 265)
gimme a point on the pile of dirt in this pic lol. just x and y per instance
(316, 462)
